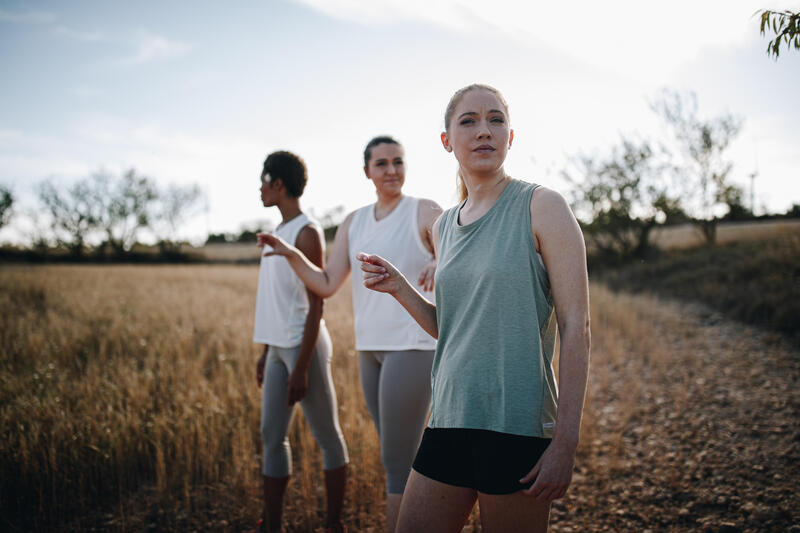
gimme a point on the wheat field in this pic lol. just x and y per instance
(128, 402)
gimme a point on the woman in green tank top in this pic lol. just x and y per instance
(511, 272)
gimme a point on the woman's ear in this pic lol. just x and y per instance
(510, 137)
(365, 172)
(446, 142)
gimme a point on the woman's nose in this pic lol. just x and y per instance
(484, 131)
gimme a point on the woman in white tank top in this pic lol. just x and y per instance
(395, 353)
(295, 361)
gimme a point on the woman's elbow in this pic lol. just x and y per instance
(578, 333)
(324, 293)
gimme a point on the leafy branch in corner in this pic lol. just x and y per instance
(786, 27)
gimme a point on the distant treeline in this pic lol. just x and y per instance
(100, 217)
(619, 197)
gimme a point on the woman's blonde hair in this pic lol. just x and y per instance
(448, 116)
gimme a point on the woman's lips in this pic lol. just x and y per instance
(483, 149)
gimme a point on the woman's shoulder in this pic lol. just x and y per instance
(426, 203)
(428, 210)
(546, 198)
(550, 210)
(356, 214)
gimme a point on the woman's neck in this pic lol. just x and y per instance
(290, 208)
(484, 188)
(386, 204)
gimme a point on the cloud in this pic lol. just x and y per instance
(641, 40)
(152, 47)
(27, 17)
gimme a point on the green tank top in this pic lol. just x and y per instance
(493, 364)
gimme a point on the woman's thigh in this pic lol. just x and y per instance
(513, 512)
(370, 378)
(429, 505)
(275, 410)
(320, 405)
(405, 397)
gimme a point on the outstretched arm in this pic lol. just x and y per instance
(321, 281)
(559, 240)
(380, 275)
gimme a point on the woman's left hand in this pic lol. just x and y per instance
(553, 473)
(425, 280)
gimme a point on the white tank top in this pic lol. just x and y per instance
(381, 323)
(282, 302)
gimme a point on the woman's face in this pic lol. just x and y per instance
(269, 191)
(479, 134)
(386, 168)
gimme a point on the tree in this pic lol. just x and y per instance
(733, 197)
(124, 206)
(217, 238)
(786, 27)
(175, 205)
(74, 213)
(623, 197)
(702, 143)
(6, 201)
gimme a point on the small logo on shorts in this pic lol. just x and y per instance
(548, 425)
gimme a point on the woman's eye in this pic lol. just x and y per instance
(498, 120)
(466, 121)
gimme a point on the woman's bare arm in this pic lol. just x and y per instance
(323, 282)
(309, 243)
(428, 213)
(558, 238)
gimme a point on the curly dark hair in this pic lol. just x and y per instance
(289, 168)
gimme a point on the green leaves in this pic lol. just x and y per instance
(786, 27)
(6, 201)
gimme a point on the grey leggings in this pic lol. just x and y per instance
(319, 408)
(397, 389)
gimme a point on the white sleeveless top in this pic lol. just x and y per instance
(282, 302)
(381, 323)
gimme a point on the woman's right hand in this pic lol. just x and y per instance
(380, 275)
(278, 245)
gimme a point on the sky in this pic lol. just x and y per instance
(200, 92)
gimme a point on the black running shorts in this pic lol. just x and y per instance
(487, 461)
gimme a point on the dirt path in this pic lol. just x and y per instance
(695, 427)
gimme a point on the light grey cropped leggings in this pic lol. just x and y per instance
(319, 408)
(397, 389)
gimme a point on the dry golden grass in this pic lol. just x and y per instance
(124, 379)
(118, 378)
(128, 402)
(233, 251)
(687, 235)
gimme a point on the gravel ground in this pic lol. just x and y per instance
(697, 430)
